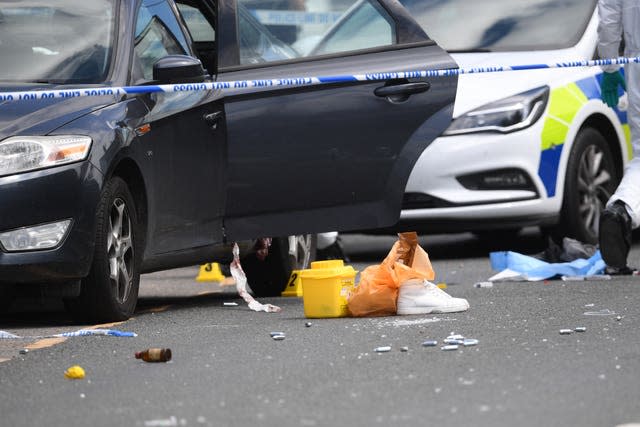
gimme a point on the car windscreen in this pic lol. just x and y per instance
(502, 25)
(56, 41)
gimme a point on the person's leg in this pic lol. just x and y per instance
(329, 246)
(326, 239)
(628, 191)
(622, 213)
(615, 235)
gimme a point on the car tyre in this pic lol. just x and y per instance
(590, 180)
(269, 277)
(110, 291)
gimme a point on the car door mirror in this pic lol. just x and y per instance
(179, 69)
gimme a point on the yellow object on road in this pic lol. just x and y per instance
(294, 285)
(325, 288)
(210, 272)
(74, 373)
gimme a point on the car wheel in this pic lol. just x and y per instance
(590, 181)
(110, 291)
(269, 277)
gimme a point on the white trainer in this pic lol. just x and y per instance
(417, 296)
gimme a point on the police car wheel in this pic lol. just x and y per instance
(269, 277)
(591, 179)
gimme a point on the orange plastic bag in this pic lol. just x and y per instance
(377, 291)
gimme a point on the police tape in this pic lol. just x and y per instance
(296, 81)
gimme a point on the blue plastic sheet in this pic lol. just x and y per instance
(533, 269)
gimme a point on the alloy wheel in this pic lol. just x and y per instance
(120, 250)
(593, 182)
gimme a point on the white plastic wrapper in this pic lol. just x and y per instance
(241, 285)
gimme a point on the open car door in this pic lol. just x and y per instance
(331, 156)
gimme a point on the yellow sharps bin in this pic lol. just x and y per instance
(325, 288)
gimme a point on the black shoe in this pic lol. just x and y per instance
(333, 251)
(624, 271)
(615, 235)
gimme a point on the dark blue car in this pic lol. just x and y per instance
(96, 190)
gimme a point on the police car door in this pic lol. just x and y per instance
(334, 156)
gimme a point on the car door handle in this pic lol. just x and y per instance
(213, 119)
(402, 89)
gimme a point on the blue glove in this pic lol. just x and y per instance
(609, 89)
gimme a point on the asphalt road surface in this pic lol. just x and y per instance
(228, 371)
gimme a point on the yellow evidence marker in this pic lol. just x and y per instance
(210, 272)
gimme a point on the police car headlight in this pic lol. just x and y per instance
(25, 153)
(504, 116)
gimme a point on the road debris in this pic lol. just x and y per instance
(449, 347)
(166, 422)
(377, 293)
(603, 312)
(582, 277)
(75, 372)
(153, 355)
(483, 285)
(241, 285)
(574, 259)
(79, 333)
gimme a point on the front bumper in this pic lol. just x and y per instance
(449, 205)
(479, 218)
(48, 195)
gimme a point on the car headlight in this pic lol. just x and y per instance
(25, 153)
(504, 116)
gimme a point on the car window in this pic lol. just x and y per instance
(199, 27)
(502, 25)
(276, 30)
(157, 35)
(61, 41)
(366, 26)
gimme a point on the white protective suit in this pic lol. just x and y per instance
(618, 17)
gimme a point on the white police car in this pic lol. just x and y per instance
(525, 147)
